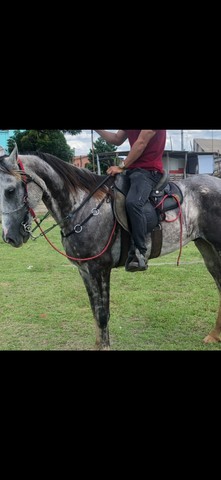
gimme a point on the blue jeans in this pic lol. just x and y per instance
(142, 215)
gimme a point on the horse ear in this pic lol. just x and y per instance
(13, 157)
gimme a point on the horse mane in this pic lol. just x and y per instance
(75, 177)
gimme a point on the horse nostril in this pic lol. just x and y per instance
(10, 241)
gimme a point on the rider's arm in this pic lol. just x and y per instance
(115, 138)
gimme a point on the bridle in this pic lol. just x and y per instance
(26, 178)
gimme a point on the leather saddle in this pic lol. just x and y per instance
(166, 196)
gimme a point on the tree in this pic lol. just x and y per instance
(101, 146)
(72, 132)
(48, 141)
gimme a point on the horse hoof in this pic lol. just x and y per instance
(102, 347)
(210, 339)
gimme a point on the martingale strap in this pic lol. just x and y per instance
(78, 228)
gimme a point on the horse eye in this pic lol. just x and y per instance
(9, 192)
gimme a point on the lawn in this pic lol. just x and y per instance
(44, 304)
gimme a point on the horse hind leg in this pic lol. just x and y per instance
(212, 259)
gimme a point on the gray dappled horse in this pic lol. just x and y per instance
(82, 205)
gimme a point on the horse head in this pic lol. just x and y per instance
(19, 194)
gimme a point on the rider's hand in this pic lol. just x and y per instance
(113, 170)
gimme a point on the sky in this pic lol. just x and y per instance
(82, 142)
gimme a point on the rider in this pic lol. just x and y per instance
(144, 168)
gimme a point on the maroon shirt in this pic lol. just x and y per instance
(151, 158)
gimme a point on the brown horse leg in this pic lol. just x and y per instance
(212, 260)
(214, 335)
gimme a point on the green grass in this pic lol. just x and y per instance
(44, 304)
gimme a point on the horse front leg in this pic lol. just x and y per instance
(97, 283)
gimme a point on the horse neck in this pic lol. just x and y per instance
(55, 197)
(36, 167)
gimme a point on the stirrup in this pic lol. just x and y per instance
(137, 263)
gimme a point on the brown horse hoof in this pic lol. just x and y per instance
(210, 339)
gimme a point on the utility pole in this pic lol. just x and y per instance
(182, 146)
(92, 148)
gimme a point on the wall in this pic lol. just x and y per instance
(4, 136)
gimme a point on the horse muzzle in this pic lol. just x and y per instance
(16, 239)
